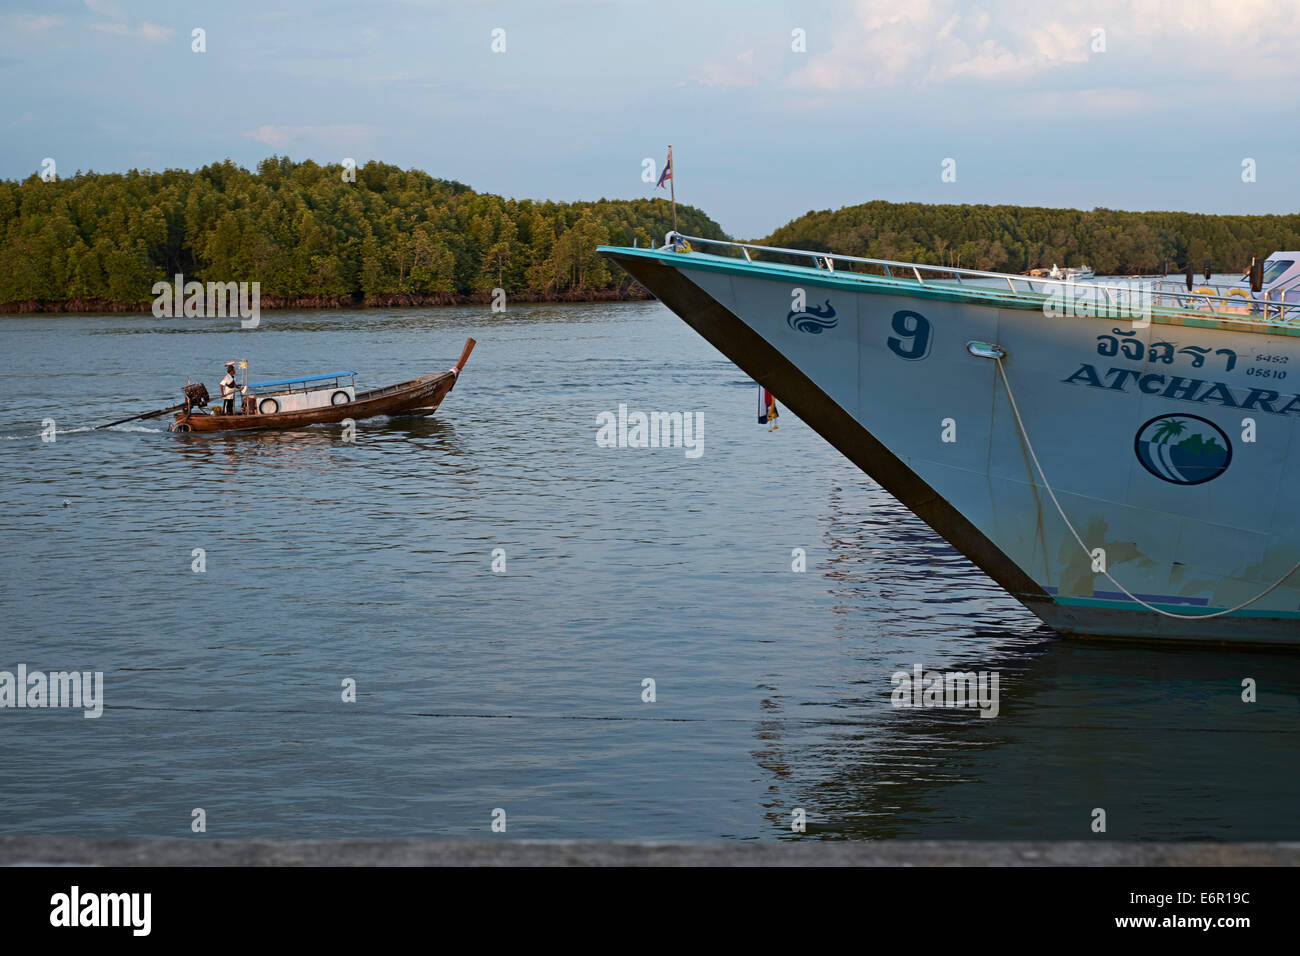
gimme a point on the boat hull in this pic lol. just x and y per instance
(420, 396)
(933, 425)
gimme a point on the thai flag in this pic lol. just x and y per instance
(667, 174)
(766, 406)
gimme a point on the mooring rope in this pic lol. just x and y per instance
(1061, 511)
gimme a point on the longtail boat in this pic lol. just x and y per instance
(1128, 452)
(318, 400)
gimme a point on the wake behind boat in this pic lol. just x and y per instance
(1120, 471)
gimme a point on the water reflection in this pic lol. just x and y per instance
(1158, 738)
(247, 454)
(315, 444)
(437, 430)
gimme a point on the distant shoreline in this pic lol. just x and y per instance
(387, 301)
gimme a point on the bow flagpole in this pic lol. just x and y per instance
(672, 186)
(667, 176)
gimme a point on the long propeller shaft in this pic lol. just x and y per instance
(136, 418)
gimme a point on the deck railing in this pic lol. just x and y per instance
(1284, 310)
(315, 383)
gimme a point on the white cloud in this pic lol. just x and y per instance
(1098, 102)
(109, 8)
(747, 68)
(155, 33)
(933, 41)
(35, 22)
(339, 137)
(118, 24)
(887, 45)
(149, 32)
(740, 71)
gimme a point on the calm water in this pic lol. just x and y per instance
(372, 561)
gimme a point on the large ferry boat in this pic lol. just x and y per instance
(1119, 458)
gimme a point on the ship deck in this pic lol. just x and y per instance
(1112, 300)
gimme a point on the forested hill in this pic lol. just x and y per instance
(309, 237)
(1017, 238)
(392, 236)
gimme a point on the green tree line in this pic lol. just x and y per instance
(1019, 238)
(304, 232)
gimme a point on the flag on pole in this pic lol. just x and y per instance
(667, 174)
(667, 177)
(767, 407)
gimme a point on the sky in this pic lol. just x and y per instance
(773, 107)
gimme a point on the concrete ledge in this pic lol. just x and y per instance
(502, 851)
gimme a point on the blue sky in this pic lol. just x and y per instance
(1035, 106)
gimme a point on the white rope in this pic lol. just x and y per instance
(1184, 617)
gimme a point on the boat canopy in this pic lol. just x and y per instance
(1282, 271)
(295, 381)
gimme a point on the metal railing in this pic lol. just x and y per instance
(314, 384)
(1251, 310)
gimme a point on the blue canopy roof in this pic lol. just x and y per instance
(295, 381)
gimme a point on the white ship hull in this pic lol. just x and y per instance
(1149, 452)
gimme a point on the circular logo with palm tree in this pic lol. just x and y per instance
(1183, 449)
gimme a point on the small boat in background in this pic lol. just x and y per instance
(319, 400)
(1070, 275)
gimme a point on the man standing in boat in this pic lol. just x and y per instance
(228, 386)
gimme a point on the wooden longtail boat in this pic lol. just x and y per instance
(419, 396)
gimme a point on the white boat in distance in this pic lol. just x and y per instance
(1083, 272)
(1121, 477)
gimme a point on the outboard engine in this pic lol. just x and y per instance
(196, 395)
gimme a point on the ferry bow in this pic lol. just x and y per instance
(1118, 458)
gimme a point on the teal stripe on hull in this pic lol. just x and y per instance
(1109, 605)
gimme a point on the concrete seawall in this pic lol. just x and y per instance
(502, 851)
